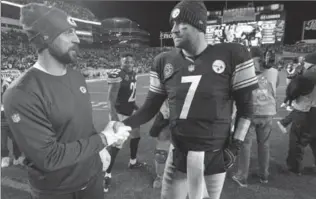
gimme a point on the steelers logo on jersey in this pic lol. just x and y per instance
(218, 66)
(175, 13)
(168, 70)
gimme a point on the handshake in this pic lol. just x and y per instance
(115, 133)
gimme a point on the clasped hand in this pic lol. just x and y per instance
(116, 132)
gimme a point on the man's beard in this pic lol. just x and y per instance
(63, 58)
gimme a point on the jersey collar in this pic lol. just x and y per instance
(192, 59)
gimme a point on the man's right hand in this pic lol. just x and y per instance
(116, 132)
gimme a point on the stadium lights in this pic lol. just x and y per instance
(86, 21)
(275, 6)
(12, 4)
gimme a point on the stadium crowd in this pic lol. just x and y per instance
(18, 54)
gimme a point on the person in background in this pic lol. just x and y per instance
(264, 105)
(302, 132)
(122, 83)
(6, 133)
(293, 70)
(298, 68)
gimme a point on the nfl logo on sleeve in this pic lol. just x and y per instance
(16, 118)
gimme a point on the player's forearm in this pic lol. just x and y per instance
(241, 129)
(112, 97)
(111, 104)
(112, 111)
(244, 106)
(147, 111)
(63, 155)
(51, 155)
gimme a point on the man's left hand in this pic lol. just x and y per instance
(231, 153)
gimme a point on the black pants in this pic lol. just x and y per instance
(288, 119)
(302, 134)
(94, 190)
(310, 137)
(298, 131)
(5, 134)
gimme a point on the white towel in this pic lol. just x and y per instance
(195, 174)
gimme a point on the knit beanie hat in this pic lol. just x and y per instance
(191, 12)
(44, 23)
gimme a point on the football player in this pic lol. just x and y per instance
(122, 103)
(200, 82)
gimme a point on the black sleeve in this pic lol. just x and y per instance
(244, 104)
(155, 97)
(244, 81)
(147, 111)
(36, 138)
(299, 86)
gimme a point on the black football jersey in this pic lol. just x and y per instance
(125, 102)
(200, 91)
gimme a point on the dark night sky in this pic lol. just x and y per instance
(153, 16)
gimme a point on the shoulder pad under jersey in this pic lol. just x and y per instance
(161, 60)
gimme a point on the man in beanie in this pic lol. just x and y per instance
(49, 112)
(303, 133)
(200, 83)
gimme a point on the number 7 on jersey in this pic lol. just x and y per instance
(194, 80)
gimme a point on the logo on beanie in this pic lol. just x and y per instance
(71, 21)
(45, 37)
(218, 66)
(168, 70)
(175, 13)
(83, 89)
